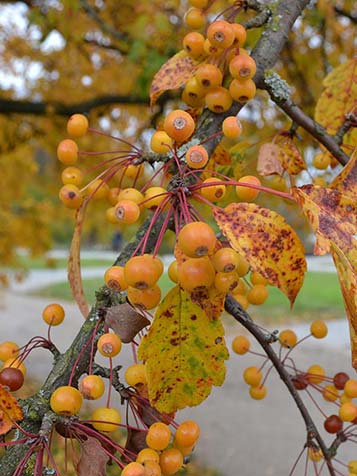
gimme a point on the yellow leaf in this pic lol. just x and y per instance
(74, 262)
(347, 276)
(339, 97)
(289, 155)
(10, 410)
(267, 242)
(221, 156)
(210, 301)
(173, 74)
(346, 180)
(184, 352)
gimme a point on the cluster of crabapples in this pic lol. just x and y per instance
(338, 391)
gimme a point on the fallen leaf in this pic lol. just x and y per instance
(74, 262)
(267, 242)
(125, 321)
(93, 460)
(184, 353)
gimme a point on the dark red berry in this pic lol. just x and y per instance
(12, 378)
(300, 381)
(333, 424)
(340, 379)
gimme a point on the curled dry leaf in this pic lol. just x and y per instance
(173, 74)
(74, 262)
(93, 459)
(268, 160)
(125, 321)
(267, 242)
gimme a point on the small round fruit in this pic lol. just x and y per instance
(319, 329)
(193, 43)
(187, 433)
(199, 3)
(196, 157)
(240, 35)
(109, 344)
(333, 424)
(158, 436)
(257, 278)
(72, 175)
(225, 260)
(218, 99)
(111, 216)
(196, 239)
(154, 196)
(348, 411)
(107, 419)
(245, 193)
(226, 282)
(300, 381)
(53, 314)
(92, 387)
(147, 454)
(98, 189)
(141, 272)
(316, 374)
(208, 76)
(232, 127)
(12, 378)
(134, 171)
(147, 298)
(171, 460)
(67, 152)
(195, 18)
(240, 345)
(15, 364)
(330, 393)
(173, 271)
(242, 300)
(315, 454)
(220, 34)
(127, 212)
(179, 125)
(135, 374)
(77, 125)
(113, 195)
(340, 379)
(258, 393)
(196, 273)
(161, 142)
(8, 350)
(287, 338)
(242, 91)
(70, 196)
(352, 467)
(131, 194)
(252, 376)
(214, 192)
(321, 161)
(242, 67)
(243, 266)
(66, 400)
(114, 278)
(350, 388)
(344, 398)
(258, 294)
(133, 469)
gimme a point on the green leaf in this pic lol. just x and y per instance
(184, 353)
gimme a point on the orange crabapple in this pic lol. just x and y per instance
(221, 34)
(148, 454)
(287, 338)
(252, 376)
(114, 278)
(199, 3)
(225, 260)
(109, 344)
(196, 239)
(8, 350)
(171, 460)
(53, 314)
(135, 374)
(321, 161)
(215, 192)
(344, 398)
(70, 196)
(194, 89)
(130, 193)
(161, 142)
(330, 393)
(127, 212)
(232, 127)
(187, 433)
(147, 298)
(152, 468)
(348, 411)
(350, 388)
(316, 374)
(258, 393)
(196, 273)
(72, 175)
(315, 454)
(107, 419)
(113, 195)
(258, 294)
(248, 194)
(153, 197)
(92, 387)
(196, 157)
(134, 171)
(240, 345)
(242, 300)
(208, 76)
(110, 215)
(242, 91)
(243, 266)
(192, 100)
(226, 282)
(318, 329)
(218, 99)
(193, 43)
(77, 125)
(195, 18)
(173, 271)
(179, 125)
(352, 466)
(240, 34)
(67, 152)
(241, 288)
(158, 436)
(242, 67)
(257, 278)
(98, 189)
(142, 272)
(210, 49)
(66, 400)
(133, 469)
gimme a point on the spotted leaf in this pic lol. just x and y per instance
(184, 352)
(267, 242)
(10, 410)
(173, 74)
(289, 155)
(346, 180)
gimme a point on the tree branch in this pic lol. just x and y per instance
(105, 28)
(236, 311)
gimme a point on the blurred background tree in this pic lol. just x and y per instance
(98, 57)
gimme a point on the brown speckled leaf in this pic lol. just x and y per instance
(289, 155)
(10, 410)
(74, 262)
(347, 275)
(221, 156)
(125, 321)
(267, 242)
(346, 180)
(332, 215)
(184, 353)
(93, 460)
(268, 160)
(173, 74)
(210, 301)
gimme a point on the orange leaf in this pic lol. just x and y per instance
(332, 215)
(267, 242)
(10, 410)
(346, 180)
(289, 155)
(74, 262)
(347, 276)
(173, 74)
(268, 160)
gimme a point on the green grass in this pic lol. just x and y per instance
(43, 262)
(320, 295)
